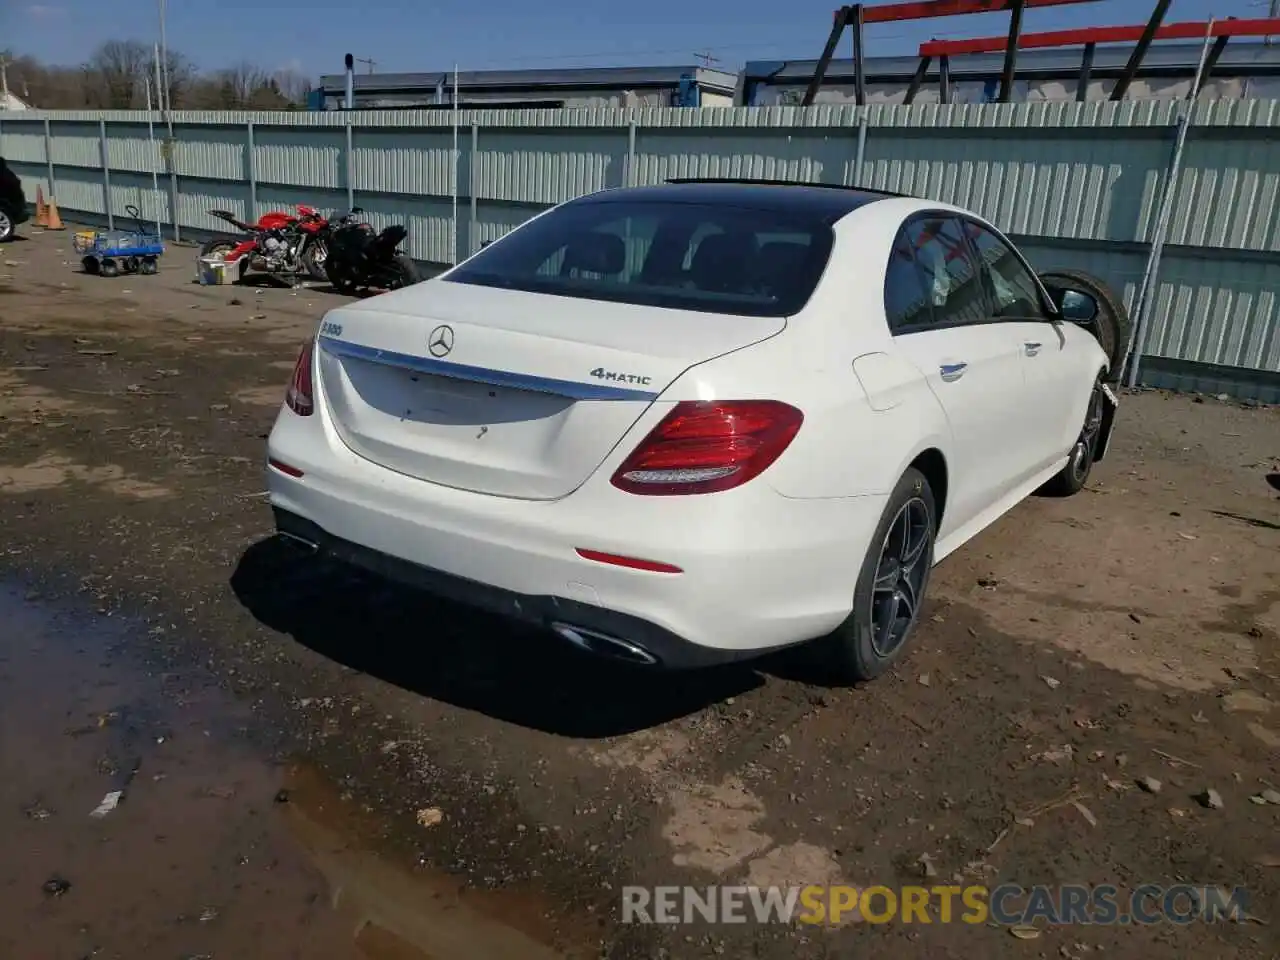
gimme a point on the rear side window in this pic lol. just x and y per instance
(704, 257)
(905, 304)
(952, 282)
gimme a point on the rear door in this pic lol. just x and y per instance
(973, 365)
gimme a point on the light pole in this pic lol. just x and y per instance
(162, 95)
(164, 61)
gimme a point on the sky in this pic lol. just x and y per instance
(434, 35)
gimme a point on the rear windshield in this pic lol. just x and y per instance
(685, 256)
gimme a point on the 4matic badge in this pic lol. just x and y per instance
(600, 373)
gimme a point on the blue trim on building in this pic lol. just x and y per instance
(688, 94)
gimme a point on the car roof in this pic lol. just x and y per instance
(826, 202)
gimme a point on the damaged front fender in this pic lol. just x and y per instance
(1110, 404)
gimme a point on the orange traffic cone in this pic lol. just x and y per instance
(42, 211)
(55, 221)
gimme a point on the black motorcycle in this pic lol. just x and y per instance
(360, 258)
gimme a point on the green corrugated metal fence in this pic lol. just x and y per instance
(1078, 185)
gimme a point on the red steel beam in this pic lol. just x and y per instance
(1070, 38)
(928, 9)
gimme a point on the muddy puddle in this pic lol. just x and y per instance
(141, 816)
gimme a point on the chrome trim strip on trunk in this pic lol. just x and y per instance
(501, 378)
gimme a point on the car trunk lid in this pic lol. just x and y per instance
(506, 392)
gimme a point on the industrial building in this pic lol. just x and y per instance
(562, 88)
(10, 101)
(1243, 70)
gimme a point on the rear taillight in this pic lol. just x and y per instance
(298, 396)
(703, 447)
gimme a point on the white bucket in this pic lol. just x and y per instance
(212, 271)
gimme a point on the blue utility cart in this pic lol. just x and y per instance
(109, 253)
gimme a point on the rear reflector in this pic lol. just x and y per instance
(298, 396)
(631, 562)
(705, 447)
(284, 467)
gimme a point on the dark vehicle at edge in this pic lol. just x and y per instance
(13, 202)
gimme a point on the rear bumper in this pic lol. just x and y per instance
(670, 650)
(759, 571)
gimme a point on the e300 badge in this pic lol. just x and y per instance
(600, 373)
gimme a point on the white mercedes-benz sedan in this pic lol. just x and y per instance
(699, 421)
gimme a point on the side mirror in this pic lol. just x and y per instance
(1074, 304)
(485, 243)
(1077, 306)
(357, 209)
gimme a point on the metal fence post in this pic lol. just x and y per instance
(455, 157)
(48, 158)
(1151, 276)
(629, 179)
(168, 145)
(106, 173)
(862, 146)
(351, 165)
(251, 170)
(473, 241)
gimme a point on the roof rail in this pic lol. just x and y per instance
(785, 183)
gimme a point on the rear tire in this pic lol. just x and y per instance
(404, 272)
(7, 227)
(894, 577)
(337, 277)
(1111, 326)
(313, 260)
(218, 247)
(1071, 479)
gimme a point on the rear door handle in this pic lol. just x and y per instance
(1032, 348)
(952, 371)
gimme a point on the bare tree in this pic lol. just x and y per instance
(239, 84)
(118, 71)
(53, 88)
(183, 75)
(293, 86)
(115, 78)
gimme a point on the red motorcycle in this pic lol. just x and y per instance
(279, 243)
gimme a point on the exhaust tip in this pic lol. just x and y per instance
(604, 645)
(308, 545)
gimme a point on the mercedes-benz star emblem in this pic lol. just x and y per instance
(440, 343)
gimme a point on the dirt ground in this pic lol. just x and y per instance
(317, 764)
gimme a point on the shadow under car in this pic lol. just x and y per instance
(464, 657)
